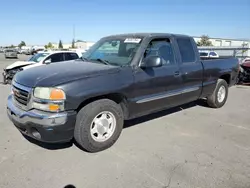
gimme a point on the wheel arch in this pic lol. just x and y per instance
(116, 97)
(226, 77)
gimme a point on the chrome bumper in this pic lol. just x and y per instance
(44, 119)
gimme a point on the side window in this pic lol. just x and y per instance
(161, 48)
(55, 58)
(186, 50)
(212, 54)
(71, 56)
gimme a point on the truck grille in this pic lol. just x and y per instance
(20, 95)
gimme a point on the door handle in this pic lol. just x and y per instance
(177, 74)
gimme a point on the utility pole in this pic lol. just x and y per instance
(74, 32)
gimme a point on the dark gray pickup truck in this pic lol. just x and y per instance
(119, 78)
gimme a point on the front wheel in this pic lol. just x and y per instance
(219, 96)
(98, 125)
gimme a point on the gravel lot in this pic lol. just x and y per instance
(188, 147)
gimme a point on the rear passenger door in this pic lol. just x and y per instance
(191, 69)
(70, 56)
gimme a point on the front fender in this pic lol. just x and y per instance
(81, 90)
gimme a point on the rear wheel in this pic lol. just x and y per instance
(219, 96)
(98, 125)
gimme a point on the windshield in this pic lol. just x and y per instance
(38, 57)
(9, 51)
(115, 51)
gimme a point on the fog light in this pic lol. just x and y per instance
(35, 133)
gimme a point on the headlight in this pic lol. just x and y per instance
(49, 99)
(49, 93)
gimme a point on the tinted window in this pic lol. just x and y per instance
(186, 50)
(203, 54)
(212, 54)
(163, 49)
(56, 57)
(71, 56)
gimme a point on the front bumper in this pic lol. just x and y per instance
(42, 126)
(8, 76)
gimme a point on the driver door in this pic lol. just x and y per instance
(157, 88)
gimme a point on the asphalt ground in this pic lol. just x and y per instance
(192, 146)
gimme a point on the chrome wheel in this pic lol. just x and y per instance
(103, 126)
(221, 94)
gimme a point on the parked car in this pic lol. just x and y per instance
(37, 60)
(121, 77)
(35, 51)
(9, 53)
(244, 74)
(208, 54)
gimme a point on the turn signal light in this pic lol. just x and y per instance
(57, 94)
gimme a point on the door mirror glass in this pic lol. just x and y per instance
(151, 61)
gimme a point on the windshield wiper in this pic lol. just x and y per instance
(102, 61)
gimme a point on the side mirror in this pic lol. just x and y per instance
(48, 61)
(151, 61)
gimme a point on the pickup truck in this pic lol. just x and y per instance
(120, 77)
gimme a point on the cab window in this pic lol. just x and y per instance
(163, 49)
(55, 58)
(71, 56)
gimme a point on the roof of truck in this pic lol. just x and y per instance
(147, 35)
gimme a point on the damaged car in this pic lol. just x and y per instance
(39, 59)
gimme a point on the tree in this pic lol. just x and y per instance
(73, 43)
(49, 45)
(204, 41)
(12, 46)
(22, 43)
(60, 45)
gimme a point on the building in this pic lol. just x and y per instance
(85, 45)
(228, 47)
(227, 42)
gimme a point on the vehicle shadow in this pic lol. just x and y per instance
(127, 124)
(69, 186)
(49, 146)
(156, 115)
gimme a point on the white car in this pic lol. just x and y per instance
(38, 59)
(208, 54)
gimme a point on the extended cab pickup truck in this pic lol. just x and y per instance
(119, 78)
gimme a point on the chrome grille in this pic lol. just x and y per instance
(21, 96)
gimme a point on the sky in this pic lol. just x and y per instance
(40, 22)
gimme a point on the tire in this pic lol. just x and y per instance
(86, 116)
(213, 100)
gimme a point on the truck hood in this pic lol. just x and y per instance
(19, 64)
(59, 73)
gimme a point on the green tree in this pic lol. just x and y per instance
(60, 45)
(204, 41)
(73, 43)
(12, 46)
(22, 43)
(244, 45)
(49, 46)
